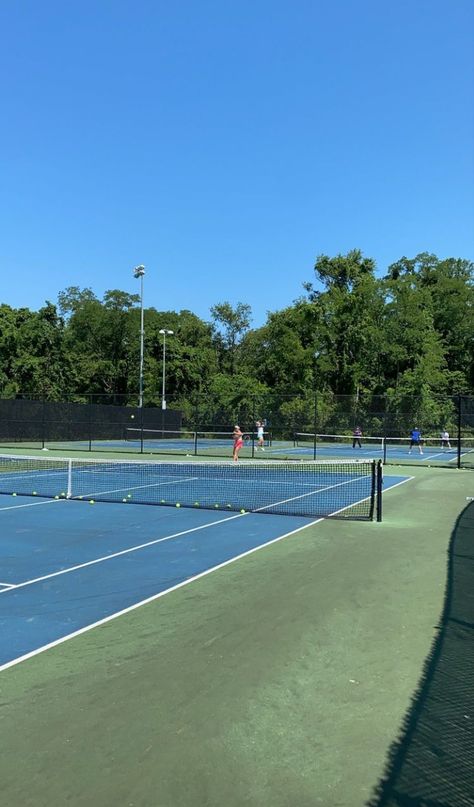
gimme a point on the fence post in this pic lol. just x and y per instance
(315, 424)
(458, 464)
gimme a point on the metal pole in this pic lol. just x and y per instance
(163, 398)
(142, 338)
(165, 332)
(139, 272)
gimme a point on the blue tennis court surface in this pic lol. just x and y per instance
(395, 452)
(306, 489)
(68, 565)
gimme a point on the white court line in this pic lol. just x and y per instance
(136, 605)
(154, 597)
(167, 538)
(31, 504)
(97, 493)
(7, 585)
(314, 492)
(122, 552)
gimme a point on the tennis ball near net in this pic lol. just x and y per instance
(178, 504)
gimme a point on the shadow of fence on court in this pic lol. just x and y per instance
(432, 764)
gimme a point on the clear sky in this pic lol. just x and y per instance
(225, 145)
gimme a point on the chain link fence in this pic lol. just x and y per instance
(316, 425)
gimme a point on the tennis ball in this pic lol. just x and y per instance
(56, 497)
(124, 500)
(178, 504)
(129, 495)
(91, 501)
(63, 494)
(196, 504)
(132, 416)
(162, 501)
(216, 505)
(242, 511)
(34, 493)
(13, 494)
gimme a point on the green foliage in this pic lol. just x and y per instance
(400, 339)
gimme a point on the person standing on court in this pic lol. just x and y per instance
(356, 435)
(445, 441)
(238, 442)
(416, 440)
(260, 435)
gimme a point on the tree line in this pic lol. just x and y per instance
(405, 335)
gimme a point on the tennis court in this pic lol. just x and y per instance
(163, 655)
(81, 548)
(393, 450)
(304, 446)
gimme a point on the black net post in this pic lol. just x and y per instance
(379, 489)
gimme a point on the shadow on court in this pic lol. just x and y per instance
(431, 765)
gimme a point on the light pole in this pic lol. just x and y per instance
(139, 272)
(165, 333)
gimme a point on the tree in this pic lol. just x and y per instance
(230, 325)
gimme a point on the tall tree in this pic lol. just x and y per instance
(230, 323)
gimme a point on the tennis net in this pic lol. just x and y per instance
(190, 441)
(339, 442)
(339, 489)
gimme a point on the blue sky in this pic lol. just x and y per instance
(225, 145)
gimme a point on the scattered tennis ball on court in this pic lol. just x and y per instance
(178, 504)
(91, 501)
(132, 416)
(56, 497)
(63, 494)
(162, 501)
(216, 505)
(124, 500)
(13, 494)
(242, 511)
(34, 493)
(129, 495)
(229, 506)
(196, 504)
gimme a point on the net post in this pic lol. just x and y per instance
(379, 486)
(69, 479)
(384, 449)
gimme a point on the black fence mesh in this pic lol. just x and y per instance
(203, 426)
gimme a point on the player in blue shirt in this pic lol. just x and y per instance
(416, 440)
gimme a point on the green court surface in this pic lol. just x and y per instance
(296, 676)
